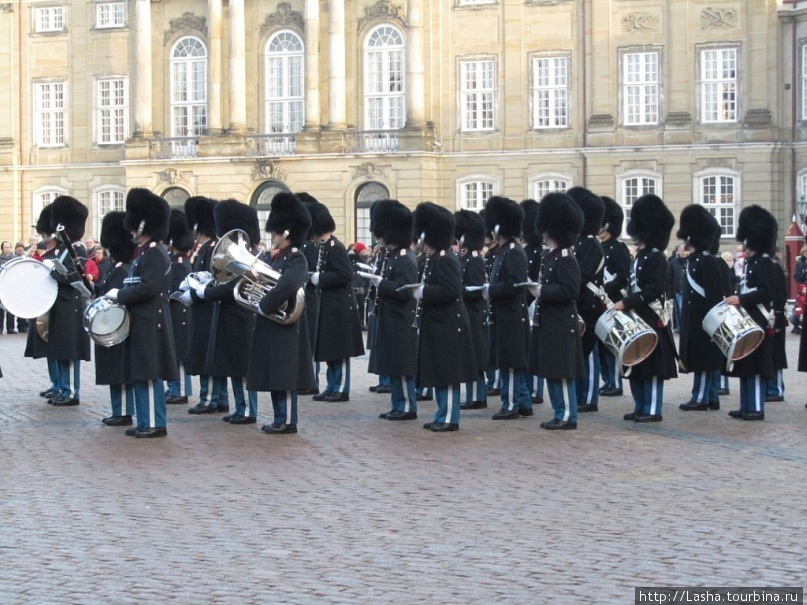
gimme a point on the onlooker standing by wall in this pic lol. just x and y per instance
(6, 254)
(676, 274)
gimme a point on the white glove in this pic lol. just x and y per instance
(186, 299)
(200, 292)
(535, 291)
(486, 291)
(112, 294)
(418, 292)
(376, 279)
(184, 286)
(315, 278)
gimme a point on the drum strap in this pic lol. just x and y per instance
(695, 285)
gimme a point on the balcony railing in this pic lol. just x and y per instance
(371, 141)
(272, 145)
(173, 148)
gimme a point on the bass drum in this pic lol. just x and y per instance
(626, 335)
(733, 331)
(107, 322)
(27, 288)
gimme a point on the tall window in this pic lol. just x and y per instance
(474, 192)
(550, 92)
(804, 82)
(50, 119)
(110, 14)
(365, 196)
(632, 187)
(541, 186)
(49, 19)
(285, 83)
(188, 88)
(477, 92)
(384, 71)
(640, 72)
(718, 193)
(111, 111)
(719, 85)
(107, 200)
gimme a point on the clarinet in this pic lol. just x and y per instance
(87, 290)
(536, 320)
(382, 253)
(320, 257)
(419, 306)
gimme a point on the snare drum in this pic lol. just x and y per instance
(27, 288)
(734, 332)
(626, 335)
(107, 322)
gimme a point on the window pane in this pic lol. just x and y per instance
(384, 70)
(285, 83)
(719, 85)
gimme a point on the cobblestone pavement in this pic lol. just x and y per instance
(354, 509)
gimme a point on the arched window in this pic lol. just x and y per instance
(384, 72)
(548, 183)
(285, 83)
(41, 198)
(188, 88)
(176, 197)
(633, 185)
(107, 199)
(365, 196)
(473, 192)
(719, 192)
(262, 200)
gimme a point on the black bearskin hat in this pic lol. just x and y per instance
(149, 210)
(289, 214)
(179, 236)
(560, 219)
(651, 222)
(593, 209)
(116, 238)
(505, 214)
(307, 199)
(43, 222)
(230, 214)
(199, 215)
(435, 225)
(321, 219)
(757, 229)
(714, 247)
(614, 216)
(697, 226)
(70, 213)
(470, 229)
(392, 222)
(531, 235)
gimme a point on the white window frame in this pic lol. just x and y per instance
(719, 89)
(110, 15)
(726, 212)
(107, 199)
(111, 110)
(42, 197)
(802, 183)
(477, 94)
(473, 191)
(284, 86)
(641, 87)
(188, 87)
(633, 184)
(474, 2)
(550, 91)
(804, 81)
(49, 19)
(50, 114)
(384, 78)
(541, 184)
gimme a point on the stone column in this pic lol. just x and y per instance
(214, 123)
(238, 74)
(143, 85)
(415, 110)
(336, 65)
(312, 100)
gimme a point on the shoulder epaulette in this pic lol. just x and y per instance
(402, 252)
(564, 252)
(180, 260)
(442, 252)
(152, 244)
(293, 250)
(333, 242)
(474, 253)
(512, 245)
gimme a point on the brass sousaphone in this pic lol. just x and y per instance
(233, 260)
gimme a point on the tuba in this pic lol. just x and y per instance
(233, 260)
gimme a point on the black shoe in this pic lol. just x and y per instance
(24, 330)
(587, 407)
(526, 412)
(308, 392)
(12, 332)
(610, 393)
(338, 397)
(754, 416)
(385, 415)
(374, 388)
(398, 415)
(321, 396)
(177, 399)
(429, 425)
(774, 398)
(506, 415)
(64, 401)
(631, 416)
(49, 394)
(693, 405)
(648, 418)
(736, 413)
(238, 419)
(228, 417)
(444, 427)
(493, 392)
(201, 408)
(223, 409)
(118, 421)
(537, 400)
(148, 433)
(473, 405)
(131, 432)
(795, 331)
(722, 391)
(714, 405)
(558, 425)
(384, 389)
(279, 429)
(424, 398)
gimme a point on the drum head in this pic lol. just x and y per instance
(26, 288)
(108, 321)
(639, 348)
(746, 343)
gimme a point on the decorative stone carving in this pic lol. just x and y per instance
(369, 170)
(267, 170)
(172, 176)
(637, 22)
(185, 22)
(649, 166)
(6, 7)
(382, 9)
(717, 163)
(718, 18)
(284, 16)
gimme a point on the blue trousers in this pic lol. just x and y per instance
(175, 386)
(752, 393)
(448, 404)
(536, 386)
(116, 393)
(150, 403)
(284, 406)
(383, 380)
(477, 391)
(612, 375)
(648, 395)
(403, 400)
(218, 393)
(776, 385)
(588, 385)
(704, 387)
(493, 378)
(239, 387)
(337, 376)
(515, 394)
(563, 396)
(53, 374)
(68, 376)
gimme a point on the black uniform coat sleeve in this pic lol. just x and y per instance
(201, 314)
(66, 336)
(698, 352)
(473, 274)
(589, 255)
(511, 330)
(109, 361)
(616, 274)
(758, 289)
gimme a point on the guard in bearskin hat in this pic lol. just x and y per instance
(615, 280)
(492, 382)
(110, 366)
(280, 357)
(510, 326)
(757, 230)
(440, 317)
(470, 234)
(149, 353)
(338, 335)
(533, 248)
(776, 384)
(703, 289)
(379, 256)
(556, 350)
(393, 348)
(650, 226)
(179, 243)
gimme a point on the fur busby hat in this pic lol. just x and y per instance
(321, 219)
(651, 222)
(71, 213)
(530, 234)
(593, 209)
(470, 229)
(560, 219)
(697, 226)
(116, 238)
(614, 217)
(756, 229)
(435, 225)
(504, 217)
(307, 199)
(147, 212)
(231, 214)
(714, 247)
(288, 214)
(199, 215)
(179, 236)
(43, 222)
(392, 222)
